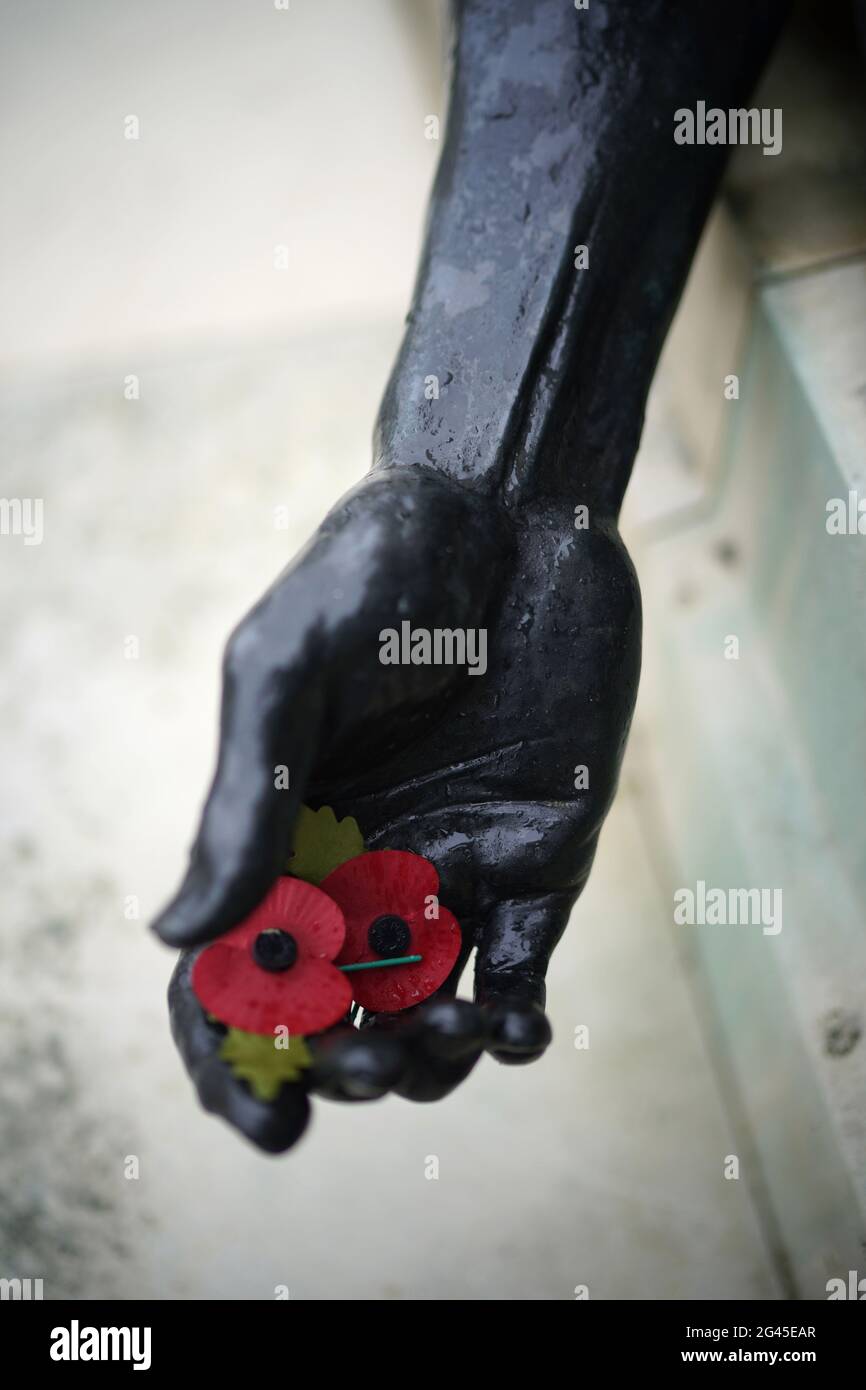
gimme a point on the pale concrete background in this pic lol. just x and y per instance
(258, 389)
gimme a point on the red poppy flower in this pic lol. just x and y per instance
(275, 968)
(383, 895)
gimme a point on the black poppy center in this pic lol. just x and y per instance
(389, 936)
(275, 950)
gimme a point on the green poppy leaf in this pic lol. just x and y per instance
(264, 1062)
(321, 843)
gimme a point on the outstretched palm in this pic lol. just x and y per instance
(502, 778)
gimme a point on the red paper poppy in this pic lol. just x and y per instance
(275, 968)
(383, 896)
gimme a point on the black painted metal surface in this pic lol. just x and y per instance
(559, 136)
